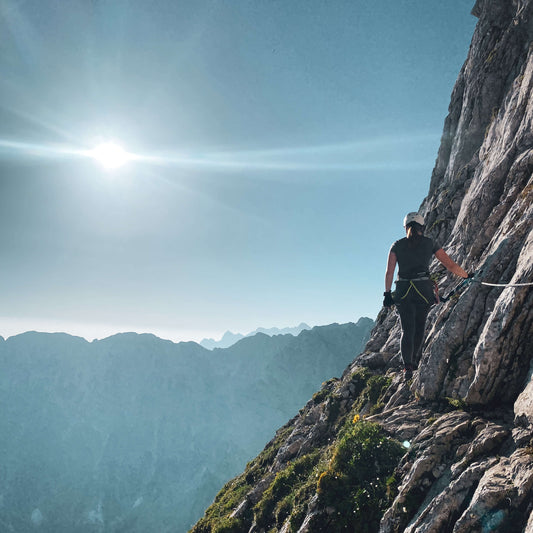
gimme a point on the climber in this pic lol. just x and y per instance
(414, 293)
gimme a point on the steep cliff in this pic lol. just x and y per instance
(465, 421)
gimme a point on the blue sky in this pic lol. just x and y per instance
(278, 146)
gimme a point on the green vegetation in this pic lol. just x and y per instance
(325, 391)
(279, 499)
(491, 56)
(217, 518)
(359, 379)
(257, 468)
(373, 392)
(321, 395)
(456, 404)
(438, 221)
(353, 479)
(358, 483)
(351, 474)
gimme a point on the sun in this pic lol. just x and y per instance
(110, 155)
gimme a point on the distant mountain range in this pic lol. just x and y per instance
(229, 338)
(137, 434)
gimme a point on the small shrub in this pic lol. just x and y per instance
(321, 395)
(392, 488)
(333, 409)
(457, 404)
(377, 408)
(359, 379)
(229, 525)
(325, 391)
(279, 498)
(373, 391)
(217, 517)
(357, 483)
(283, 508)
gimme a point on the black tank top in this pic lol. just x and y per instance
(413, 259)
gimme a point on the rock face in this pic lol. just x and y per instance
(480, 207)
(466, 418)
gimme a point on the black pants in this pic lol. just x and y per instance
(413, 305)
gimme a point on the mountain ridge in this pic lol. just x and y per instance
(229, 338)
(136, 433)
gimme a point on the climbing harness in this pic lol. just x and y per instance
(413, 286)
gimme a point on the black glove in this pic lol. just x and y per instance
(388, 301)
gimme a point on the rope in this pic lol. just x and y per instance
(503, 284)
(467, 281)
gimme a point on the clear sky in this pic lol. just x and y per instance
(278, 145)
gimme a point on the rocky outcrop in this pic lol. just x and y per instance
(466, 418)
(480, 207)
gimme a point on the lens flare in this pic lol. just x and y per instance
(110, 155)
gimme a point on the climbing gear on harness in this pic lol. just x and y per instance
(436, 291)
(413, 217)
(413, 286)
(455, 291)
(435, 277)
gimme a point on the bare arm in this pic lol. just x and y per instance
(451, 265)
(389, 274)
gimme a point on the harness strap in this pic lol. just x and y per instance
(413, 286)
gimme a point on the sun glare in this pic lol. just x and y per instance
(110, 155)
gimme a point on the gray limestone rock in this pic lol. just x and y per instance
(505, 487)
(480, 209)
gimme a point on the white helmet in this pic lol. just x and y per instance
(413, 217)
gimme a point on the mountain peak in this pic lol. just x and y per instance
(229, 338)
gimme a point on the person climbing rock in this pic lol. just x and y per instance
(414, 293)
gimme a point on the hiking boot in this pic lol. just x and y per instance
(408, 372)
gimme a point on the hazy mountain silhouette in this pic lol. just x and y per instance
(134, 433)
(229, 338)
